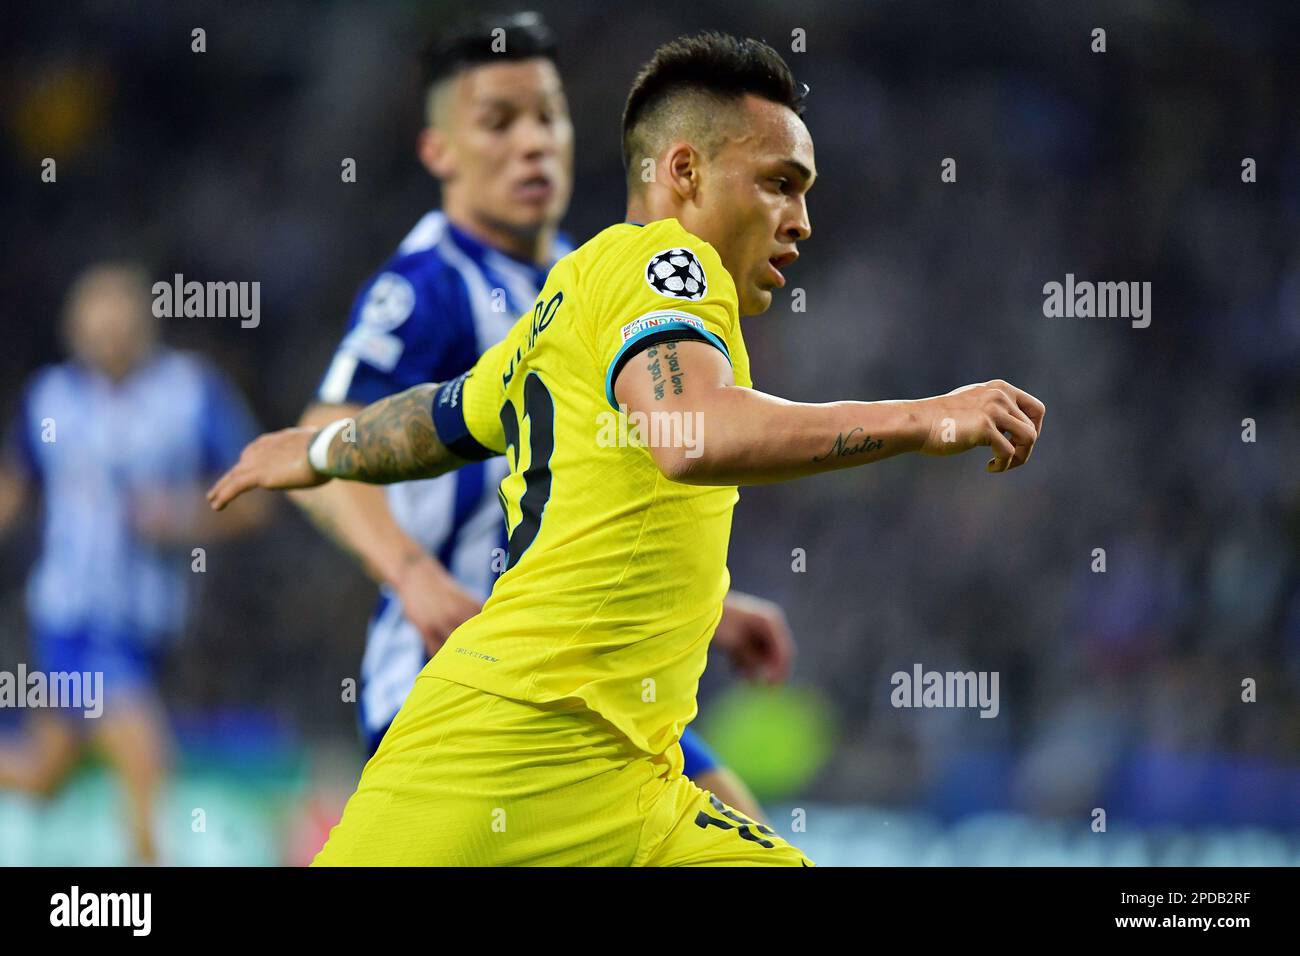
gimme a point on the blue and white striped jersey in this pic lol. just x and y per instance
(99, 449)
(426, 316)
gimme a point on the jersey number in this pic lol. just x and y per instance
(735, 821)
(539, 409)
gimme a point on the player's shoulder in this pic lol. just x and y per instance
(420, 255)
(669, 235)
(586, 258)
(60, 380)
(50, 379)
(671, 230)
(417, 276)
(662, 258)
(634, 237)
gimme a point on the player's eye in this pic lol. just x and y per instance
(780, 181)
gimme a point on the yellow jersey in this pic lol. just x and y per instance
(615, 575)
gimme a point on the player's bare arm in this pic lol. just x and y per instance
(393, 439)
(749, 437)
(14, 494)
(358, 519)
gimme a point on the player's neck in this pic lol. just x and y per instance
(650, 208)
(639, 211)
(533, 246)
(116, 373)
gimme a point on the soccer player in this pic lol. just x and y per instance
(545, 731)
(499, 140)
(120, 442)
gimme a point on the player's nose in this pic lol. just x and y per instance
(537, 137)
(797, 226)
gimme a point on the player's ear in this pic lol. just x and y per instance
(435, 152)
(683, 166)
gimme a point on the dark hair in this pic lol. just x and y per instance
(526, 35)
(720, 64)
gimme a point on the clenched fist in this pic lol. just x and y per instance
(977, 415)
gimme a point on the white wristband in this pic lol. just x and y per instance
(318, 451)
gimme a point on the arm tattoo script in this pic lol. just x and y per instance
(851, 444)
(668, 363)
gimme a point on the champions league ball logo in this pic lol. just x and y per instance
(677, 273)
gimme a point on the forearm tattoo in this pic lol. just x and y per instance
(394, 440)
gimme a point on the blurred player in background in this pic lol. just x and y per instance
(499, 140)
(118, 441)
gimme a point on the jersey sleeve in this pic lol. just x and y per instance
(467, 409)
(665, 285)
(410, 324)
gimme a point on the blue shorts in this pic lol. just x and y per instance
(128, 663)
(698, 757)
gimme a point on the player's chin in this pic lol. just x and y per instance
(534, 214)
(757, 301)
(528, 219)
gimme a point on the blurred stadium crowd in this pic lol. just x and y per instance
(1119, 689)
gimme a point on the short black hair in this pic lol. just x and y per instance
(713, 63)
(474, 42)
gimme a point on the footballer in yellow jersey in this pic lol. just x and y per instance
(499, 140)
(633, 565)
(545, 731)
